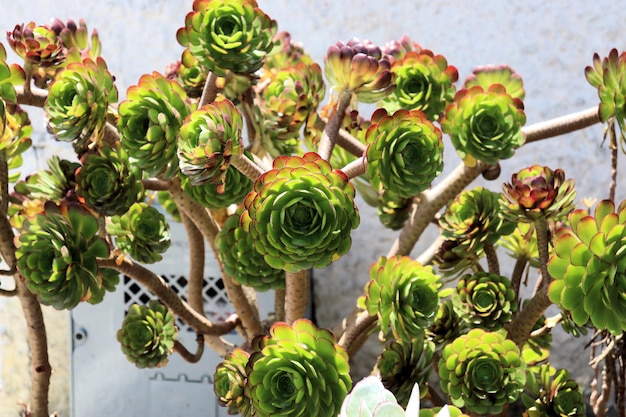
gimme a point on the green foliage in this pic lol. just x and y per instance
(147, 335)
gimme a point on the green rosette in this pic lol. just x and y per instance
(235, 188)
(300, 213)
(404, 295)
(230, 381)
(241, 259)
(78, 101)
(147, 335)
(552, 392)
(297, 370)
(107, 183)
(482, 371)
(142, 232)
(228, 35)
(404, 153)
(486, 300)
(149, 124)
(588, 267)
(484, 124)
(57, 256)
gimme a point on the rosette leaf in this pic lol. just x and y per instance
(484, 124)
(397, 49)
(403, 364)
(482, 371)
(392, 210)
(447, 325)
(360, 68)
(107, 183)
(208, 139)
(57, 256)
(78, 101)
(147, 335)
(486, 76)
(15, 131)
(473, 220)
(300, 213)
(227, 35)
(288, 99)
(142, 232)
(608, 75)
(230, 381)
(53, 184)
(235, 188)
(452, 259)
(77, 40)
(370, 398)
(149, 123)
(297, 370)
(538, 192)
(589, 267)
(552, 392)
(424, 81)
(404, 153)
(38, 45)
(486, 300)
(189, 73)
(10, 76)
(404, 295)
(522, 243)
(241, 259)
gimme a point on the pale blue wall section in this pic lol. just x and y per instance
(548, 43)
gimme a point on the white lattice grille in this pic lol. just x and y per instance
(217, 306)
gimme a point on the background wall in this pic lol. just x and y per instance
(548, 43)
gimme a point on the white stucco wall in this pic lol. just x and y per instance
(547, 43)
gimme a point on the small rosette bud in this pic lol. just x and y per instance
(230, 381)
(482, 371)
(147, 335)
(300, 213)
(228, 35)
(142, 232)
(404, 153)
(484, 124)
(404, 294)
(149, 123)
(486, 76)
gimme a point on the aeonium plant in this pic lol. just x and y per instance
(264, 156)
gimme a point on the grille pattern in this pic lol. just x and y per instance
(217, 306)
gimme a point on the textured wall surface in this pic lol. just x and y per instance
(548, 43)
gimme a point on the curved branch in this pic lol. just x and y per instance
(156, 184)
(247, 167)
(562, 125)
(329, 136)
(166, 294)
(355, 168)
(363, 323)
(188, 356)
(210, 90)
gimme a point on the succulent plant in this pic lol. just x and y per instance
(404, 295)
(397, 49)
(107, 183)
(392, 210)
(484, 124)
(167, 202)
(15, 131)
(473, 220)
(78, 102)
(482, 371)
(209, 137)
(10, 76)
(285, 54)
(147, 335)
(404, 153)
(297, 370)
(228, 35)
(447, 325)
(359, 67)
(241, 259)
(52, 184)
(300, 213)
(288, 98)
(424, 81)
(486, 300)
(230, 381)
(150, 121)
(142, 232)
(190, 73)
(452, 258)
(403, 364)
(235, 188)
(608, 76)
(486, 76)
(553, 392)
(522, 243)
(589, 267)
(538, 192)
(77, 40)
(57, 253)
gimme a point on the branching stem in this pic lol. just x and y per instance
(296, 295)
(329, 137)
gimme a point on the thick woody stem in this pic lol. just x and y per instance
(247, 167)
(562, 125)
(614, 152)
(541, 228)
(296, 295)
(492, 259)
(156, 184)
(210, 91)
(196, 266)
(33, 97)
(355, 168)
(521, 326)
(344, 139)
(516, 275)
(362, 324)
(186, 354)
(156, 285)
(279, 304)
(329, 137)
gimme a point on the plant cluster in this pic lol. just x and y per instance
(234, 140)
